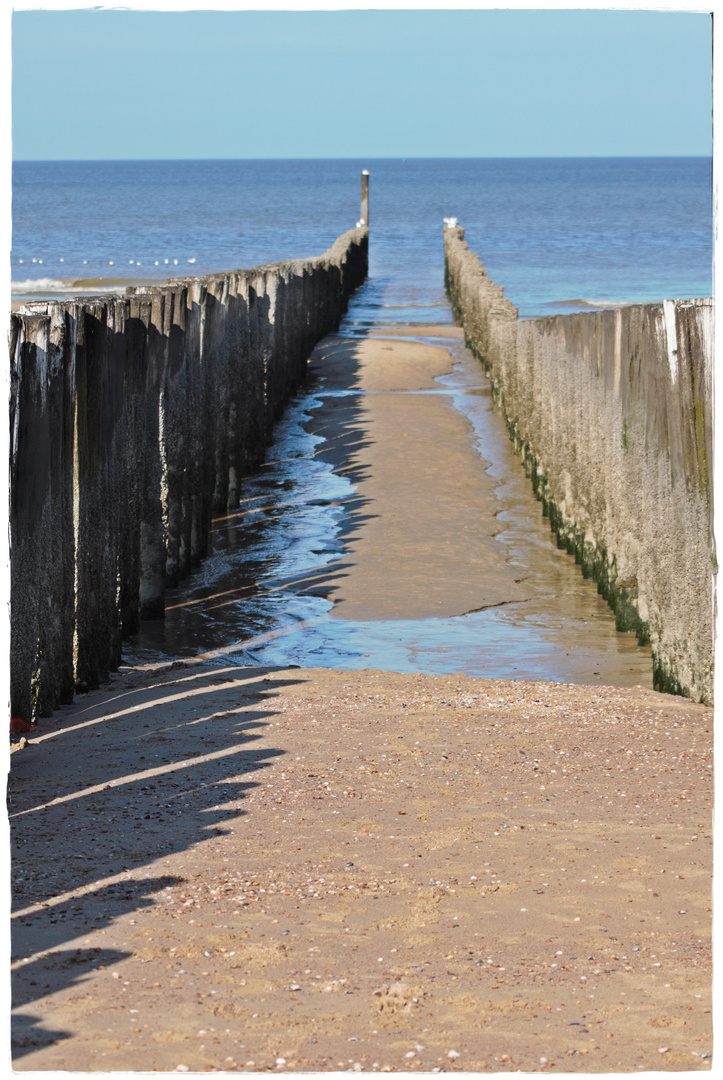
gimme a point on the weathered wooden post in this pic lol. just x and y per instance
(364, 219)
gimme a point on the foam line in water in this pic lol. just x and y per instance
(580, 302)
(65, 285)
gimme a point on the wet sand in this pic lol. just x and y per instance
(440, 330)
(420, 540)
(308, 870)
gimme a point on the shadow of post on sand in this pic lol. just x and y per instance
(114, 784)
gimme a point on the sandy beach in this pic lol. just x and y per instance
(227, 868)
(223, 868)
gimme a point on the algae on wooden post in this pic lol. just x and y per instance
(611, 414)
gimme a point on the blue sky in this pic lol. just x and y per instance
(264, 84)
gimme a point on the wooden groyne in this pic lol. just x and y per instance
(611, 412)
(133, 419)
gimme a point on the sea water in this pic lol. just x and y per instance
(560, 235)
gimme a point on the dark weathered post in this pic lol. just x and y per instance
(365, 199)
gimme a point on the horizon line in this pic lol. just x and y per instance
(362, 158)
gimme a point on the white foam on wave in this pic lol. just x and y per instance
(607, 303)
(582, 302)
(77, 286)
(40, 285)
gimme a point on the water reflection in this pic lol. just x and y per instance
(249, 602)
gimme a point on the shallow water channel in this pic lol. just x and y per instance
(245, 603)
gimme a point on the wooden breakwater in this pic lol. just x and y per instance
(611, 412)
(133, 419)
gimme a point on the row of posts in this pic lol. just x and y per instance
(134, 419)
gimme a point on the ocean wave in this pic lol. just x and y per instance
(60, 285)
(40, 285)
(580, 302)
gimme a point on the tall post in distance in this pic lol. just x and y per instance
(364, 219)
